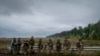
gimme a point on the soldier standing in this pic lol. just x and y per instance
(66, 44)
(58, 46)
(79, 46)
(50, 45)
(13, 46)
(40, 45)
(25, 47)
(18, 45)
(31, 43)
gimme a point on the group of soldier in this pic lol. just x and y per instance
(16, 45)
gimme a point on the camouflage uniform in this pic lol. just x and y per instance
(50, 44)
(14, 46)
(79, 46)
(31, 43)
(25, 47)
(18, 45)
(58, 46)
(40, 46)
(66, 44)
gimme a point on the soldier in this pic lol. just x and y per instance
(79, 46)
(58, 46)
(66, 44)
(25, 47)
(31, 43)
(18, 45)
(50, 45)
(40, 45)
(13, 46)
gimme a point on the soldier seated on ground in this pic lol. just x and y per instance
(25, 47)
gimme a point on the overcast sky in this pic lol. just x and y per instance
(45, 17)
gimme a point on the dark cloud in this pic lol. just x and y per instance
(15, 6)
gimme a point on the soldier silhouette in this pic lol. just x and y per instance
(18, 45)
(66, 45)
(79, 46)
(31, 43)
(13, 46)
(58, 46)
(40, 45)
(50, 45)
(25, 47)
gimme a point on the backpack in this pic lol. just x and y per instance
(31, 42)
(50, 44)
(78, 44)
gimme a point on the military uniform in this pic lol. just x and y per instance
(79, 46)
(66, 45)
(18, 46)
(31, 43)
(25, 47)
(50, 45)
(14, 46)
(40, 46)
(58, 46)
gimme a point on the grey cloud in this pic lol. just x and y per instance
(77, 11)
(44, 17)
(15, 6)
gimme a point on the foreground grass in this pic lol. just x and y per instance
(53, 54)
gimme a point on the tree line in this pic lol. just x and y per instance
(92, 31)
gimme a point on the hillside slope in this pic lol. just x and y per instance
(92, 31)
